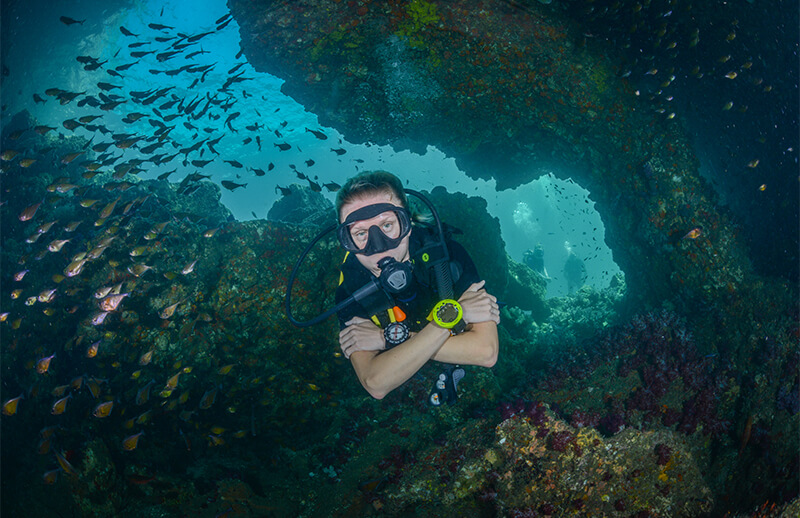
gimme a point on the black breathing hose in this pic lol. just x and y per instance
(288, 299)
(441, 270)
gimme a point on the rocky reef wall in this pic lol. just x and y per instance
(507, 90)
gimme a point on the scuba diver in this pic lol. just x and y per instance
(574, 270)
(396, 300)
(534, 259)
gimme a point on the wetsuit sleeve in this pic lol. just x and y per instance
(469, 273)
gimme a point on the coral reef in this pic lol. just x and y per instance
(264, 418)
(673, 394)
(535, 461)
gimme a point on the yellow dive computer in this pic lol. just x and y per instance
(447, 314)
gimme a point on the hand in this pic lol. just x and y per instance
(478, 305)
(361, 335)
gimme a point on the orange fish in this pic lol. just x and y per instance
(225, 369)
(103, 409)
(47, 295)
(172, 382)
(145, 417)
(50, 477)
(26, 162)
(29, 212)
(57, 244)
(66, 159)
(66, 466)
(60, 405)
(159, 227)
(48, 431)
(144, 393)
(103, 292)
(92, 166)
(169, 310)
(45, 227)
(59, 390)
(111, 302)
(129, 443)
(62, 187)
(108, 209)
(44, 446)
(694, 233)
(138, 269)
(146, 357)
(44, 364)
(93, 385)
(77, 383)
(72, 226)
(137, 251)
(96, 252)
(215, 440)
(10, 406)
(189, 268)
(106, 241)
(208, 399)
(91, 351)
(74, 268)
(99, 318)
(8, 154)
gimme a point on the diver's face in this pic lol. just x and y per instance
(386, 221)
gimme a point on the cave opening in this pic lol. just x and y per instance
(558, 217)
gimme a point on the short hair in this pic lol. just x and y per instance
(368, 183)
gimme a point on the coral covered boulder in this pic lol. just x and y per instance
(534, 464)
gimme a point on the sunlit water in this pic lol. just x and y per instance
(43, 55)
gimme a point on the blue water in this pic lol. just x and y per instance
(42, 54)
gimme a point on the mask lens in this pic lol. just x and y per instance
(386, 222)
(374, 229)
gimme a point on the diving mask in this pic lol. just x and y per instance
(379, 238)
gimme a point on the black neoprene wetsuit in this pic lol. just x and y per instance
(417, 300)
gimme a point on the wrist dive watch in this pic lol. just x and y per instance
(448, 314)
(396, 333)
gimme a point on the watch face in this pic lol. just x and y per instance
(396, 333)
(447, 313)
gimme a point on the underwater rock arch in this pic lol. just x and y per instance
(509, 92)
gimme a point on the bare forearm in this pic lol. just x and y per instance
(384, 372)
(477, 346)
